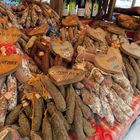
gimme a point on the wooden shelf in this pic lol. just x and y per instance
(107, 7)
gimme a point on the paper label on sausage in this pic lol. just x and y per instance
(8, 95)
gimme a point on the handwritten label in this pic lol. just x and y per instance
(8, 34)
(113, 63)
(66, 52)
(71, 73)
(9, 64)
(61, 76)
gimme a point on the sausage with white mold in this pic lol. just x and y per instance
(114, 104)
(2, 80)
(106, 108)
(123, 82)
(12, 89)
(3, 109)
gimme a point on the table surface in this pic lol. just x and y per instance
(134, 131)
(119, 131)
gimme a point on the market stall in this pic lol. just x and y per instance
(65, 78)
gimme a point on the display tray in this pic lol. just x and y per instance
(118, 131)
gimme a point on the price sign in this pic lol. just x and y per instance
(110, 62)
(11, 35)
(64, 49)
(61, 75)
(132, 49)
(9, 64)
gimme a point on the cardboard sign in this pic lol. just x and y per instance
(97, 34)
(39, 30)
(62, 76)
(70, 21)
(11, 35)
(64, 49)
(111, 62)
(9, 64)
(132, 49)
